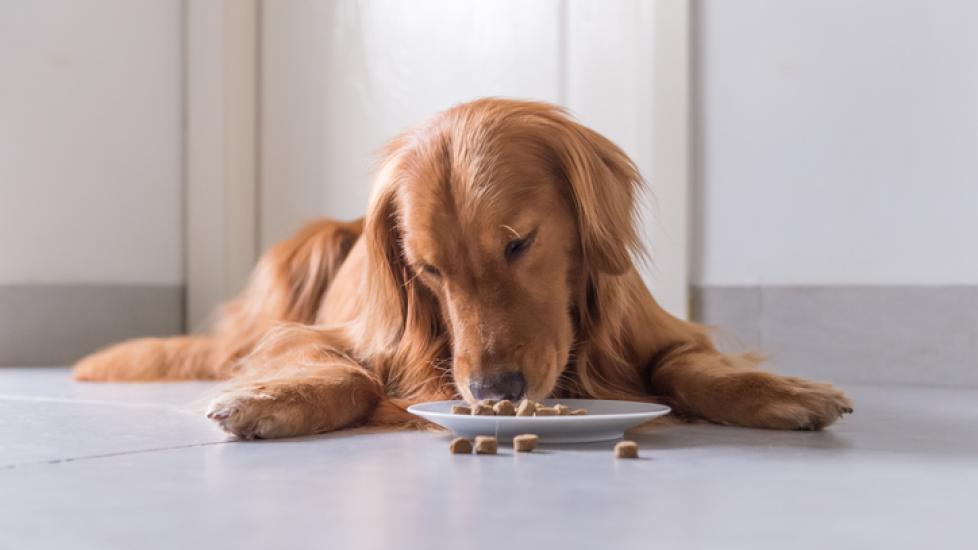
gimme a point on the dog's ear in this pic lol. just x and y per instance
(397, 326)
(385, 277)
(603, 183)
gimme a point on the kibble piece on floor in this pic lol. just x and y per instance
(525, 443)
(460, 446)
(485, 445)
(545, 411)
(461, 409)
(562, 410)
(481, 409)
(526, 408)
(626, 449)
(578, 412)
(504, 408)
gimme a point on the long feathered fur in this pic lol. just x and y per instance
(336, 329)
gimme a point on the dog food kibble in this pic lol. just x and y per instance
(460, 446)
(489, 407)
(504, 408)
(526, 408)
(624, 449)
(485, 445)
(481, 409)
(525, 443)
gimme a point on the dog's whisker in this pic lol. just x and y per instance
(511, 230)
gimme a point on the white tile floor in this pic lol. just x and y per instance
(135, 466)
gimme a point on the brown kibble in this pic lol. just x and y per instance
(545, 411)
(578, 412)
(504, 408)
(461, 409)
(485, 445)
(460, 446)
(626, 449)
(525, 443)
(488, 402)
(482, 409)
(526, 408)
(562, 410)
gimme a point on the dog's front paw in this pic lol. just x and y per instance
(798, 404)
(328, 399)
(253, 413)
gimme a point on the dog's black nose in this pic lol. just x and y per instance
(510, 385)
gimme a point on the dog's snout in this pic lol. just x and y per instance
(510, 385)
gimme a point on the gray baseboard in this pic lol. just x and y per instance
(858, 334)
(58, 324)
(894, 335)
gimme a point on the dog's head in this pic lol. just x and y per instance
(488, 225)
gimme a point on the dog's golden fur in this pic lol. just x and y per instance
(499, 239)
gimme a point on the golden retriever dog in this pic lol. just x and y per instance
(495, 261)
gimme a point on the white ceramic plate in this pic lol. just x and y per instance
(604, 421)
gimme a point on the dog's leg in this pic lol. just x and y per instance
(727, 389)
(149, 359)
(297, 382)
(287, 285)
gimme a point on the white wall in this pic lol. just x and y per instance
(838, 142)
(340, 78)
(90, 141)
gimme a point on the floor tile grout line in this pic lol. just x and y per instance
(55, 461)
(67, 400)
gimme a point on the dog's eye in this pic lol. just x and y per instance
(431, 270)
(516, 248)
